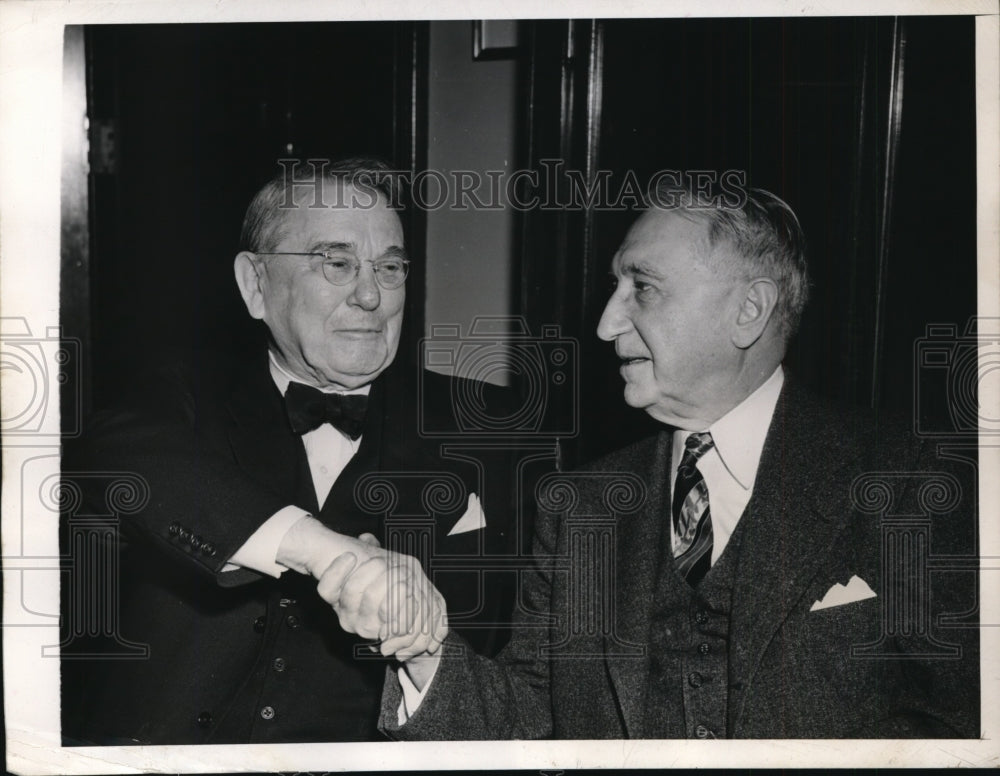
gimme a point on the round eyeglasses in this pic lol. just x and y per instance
(340, 270)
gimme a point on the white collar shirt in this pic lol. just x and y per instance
(327, 449)
(730, 466)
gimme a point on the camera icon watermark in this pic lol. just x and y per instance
(33, 369)
(543, 370)
(954, 376)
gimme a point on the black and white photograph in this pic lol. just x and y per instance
(522, 389)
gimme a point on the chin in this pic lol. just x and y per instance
(357, 363)
(354, 378)
(633, 398)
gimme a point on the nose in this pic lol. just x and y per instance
(366, 294)
(614, 320)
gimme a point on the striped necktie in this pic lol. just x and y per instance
(692, 516)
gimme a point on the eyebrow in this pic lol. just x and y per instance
(332, 246)
(639, 268)
(393, 251)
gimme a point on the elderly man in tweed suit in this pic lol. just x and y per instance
(767, 551)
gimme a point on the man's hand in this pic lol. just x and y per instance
(421, 668)
(375, 593)
(309, 547)
(386, 597)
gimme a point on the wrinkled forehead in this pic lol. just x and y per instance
(663, 236)
(356, 215)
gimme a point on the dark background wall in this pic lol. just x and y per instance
(866, 126)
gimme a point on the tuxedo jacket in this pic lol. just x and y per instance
(838, 495)
(189, 653)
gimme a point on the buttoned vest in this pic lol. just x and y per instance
(689, 647)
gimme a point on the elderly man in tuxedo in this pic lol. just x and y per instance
(736, 575)
(259, 475)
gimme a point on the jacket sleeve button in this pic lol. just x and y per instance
(260, 624)
(174, 529)
(205, 719)
(208, 549)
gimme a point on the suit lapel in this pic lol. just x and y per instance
(264, 444)
(341, 499)
(637, 560)
(259, 434)
(799, 506)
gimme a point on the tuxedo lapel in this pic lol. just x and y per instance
(799, 506)
(637, 559)
(261, 439)
(265, 446)
(342, 500)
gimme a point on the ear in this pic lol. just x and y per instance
(756, 309)
(248, 278)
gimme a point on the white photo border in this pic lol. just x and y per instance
(31, 48)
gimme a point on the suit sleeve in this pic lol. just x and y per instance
(477, 698)
(200, 506)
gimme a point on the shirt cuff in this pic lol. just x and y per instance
(259, 551)
(412, 697)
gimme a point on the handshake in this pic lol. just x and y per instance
(376, 594)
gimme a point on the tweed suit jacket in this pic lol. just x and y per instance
(830, 490)
(218, 458)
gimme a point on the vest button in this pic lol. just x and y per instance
(259, 624)
(267, 712)
(279, 664)
(701, 731)
(704, 648)
(694, 679)
(292, 621)
(701, 618)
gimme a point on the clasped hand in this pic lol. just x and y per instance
(386, 596)
(376, 593)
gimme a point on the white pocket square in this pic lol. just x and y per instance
(472, 520)
(855, 590)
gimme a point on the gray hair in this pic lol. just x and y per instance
(762, 230)
(262, 224)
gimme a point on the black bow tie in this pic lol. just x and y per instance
(309, 408)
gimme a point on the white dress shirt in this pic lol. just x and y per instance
(328, 452)
(730, 466)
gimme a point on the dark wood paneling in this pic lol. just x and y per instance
(410, 108)
(931, 264)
